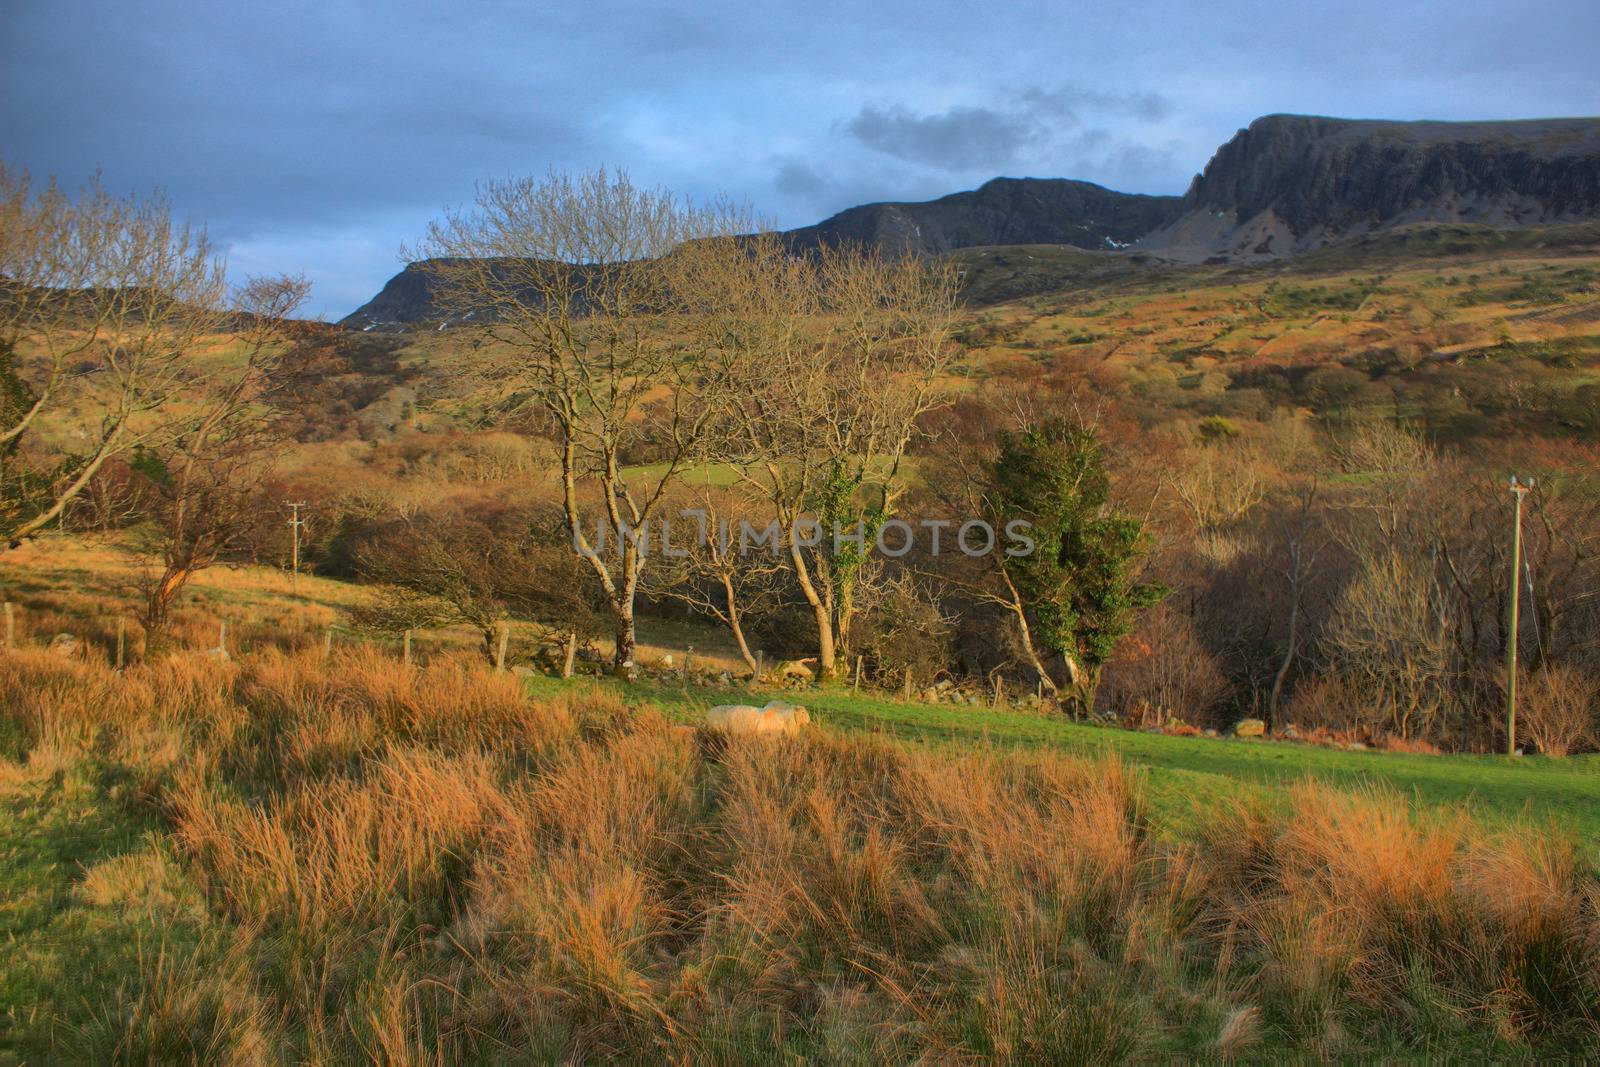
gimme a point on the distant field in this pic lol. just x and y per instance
(1189, 777)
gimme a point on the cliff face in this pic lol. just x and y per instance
(1005, 211)
(407, 297)
(1289, 183)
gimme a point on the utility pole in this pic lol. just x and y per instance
(1518, 491)
(297, 525)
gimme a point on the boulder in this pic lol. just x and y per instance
(1249, 728)
(776, 717)
(1211, 732)
(65, 645)
(522, 670)
(796, 668)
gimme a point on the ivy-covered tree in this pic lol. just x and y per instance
(1079, 590)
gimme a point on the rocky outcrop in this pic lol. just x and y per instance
(1005, 211)
(1290, 183)
(412, 296)
(407, 297)
(1285, 185)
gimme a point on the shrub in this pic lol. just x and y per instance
(1164, 672)
(1559, 706)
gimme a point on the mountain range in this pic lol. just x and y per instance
(1284, 185)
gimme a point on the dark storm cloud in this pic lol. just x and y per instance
(958, 139)
(968, 136)
(795, 178)
(319, 136)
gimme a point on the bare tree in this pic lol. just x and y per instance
(715, 576)
(576, 281)
(442, 567)
(1303, 541)
(1220, 483)
(206, 484)
(836, 357)
(101, 302)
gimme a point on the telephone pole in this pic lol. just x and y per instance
(1518, 491)
(297, 525)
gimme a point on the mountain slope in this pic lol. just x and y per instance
(1004, 211)
(1291, 183)
(1286, 185)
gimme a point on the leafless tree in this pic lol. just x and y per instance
(443, 567)
(1561, 709)
(835, 358)
(102, 302)
(575, 281)
(714, 576)
(206, 483)
(1303, 538)
(1220, 483)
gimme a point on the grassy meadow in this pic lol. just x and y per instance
(309, 851)
(291, 857)
(286, 859)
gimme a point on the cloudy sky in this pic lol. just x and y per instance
(319, 136)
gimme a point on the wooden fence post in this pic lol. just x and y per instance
(858, 674)
(327, 643)
(572, 654)
(761, 665)
(908, 685)
(999, 691)
(122, 640)
(222, 634)
(11, 625)
(405, 648)
(500, 650)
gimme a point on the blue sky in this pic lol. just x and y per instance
(318, 137)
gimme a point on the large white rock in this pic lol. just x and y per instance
(797, 668)
(776, 717)
(65, 645)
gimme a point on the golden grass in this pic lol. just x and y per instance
(425, 865)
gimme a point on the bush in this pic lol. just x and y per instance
(1560, 709)
(1163, 672)
(1323, 704)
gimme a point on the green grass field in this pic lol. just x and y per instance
(179, 880)
(1187, 776)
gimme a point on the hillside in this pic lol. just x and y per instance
(1290, 183)
(1005, 211)
(1444, 319)
(1285, 186)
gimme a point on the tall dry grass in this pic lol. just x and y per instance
(413, 865)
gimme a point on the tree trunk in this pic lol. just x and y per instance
(1021, 615)
(1288, 661)
(820, 610)
(161, 596)
(622, 662)
(736, 624)
(843, 615)
(571, 654)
